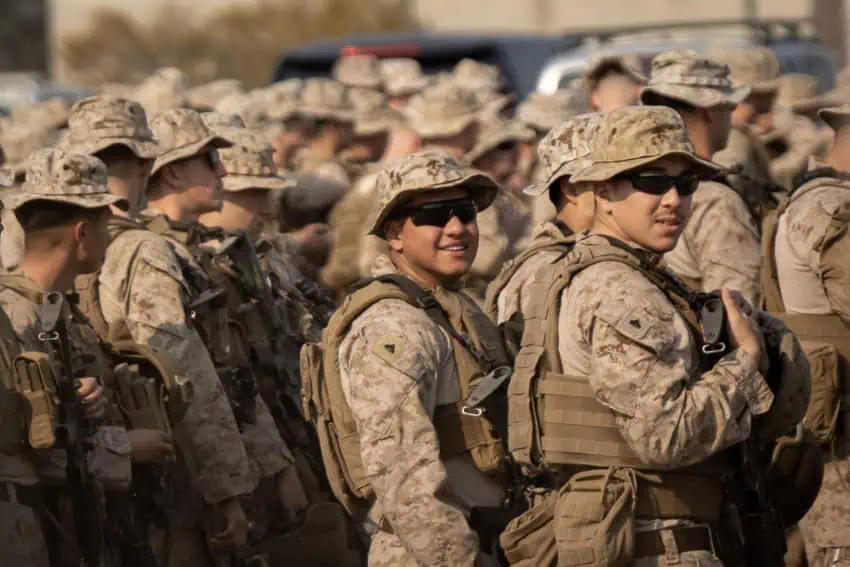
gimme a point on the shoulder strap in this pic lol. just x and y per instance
(88, 294)
(433, 309)
(813, 174)
(22, 285)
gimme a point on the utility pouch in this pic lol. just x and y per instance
(595, 518)
(34, 381)
(825, 403)
(141, 399)
(529, 539)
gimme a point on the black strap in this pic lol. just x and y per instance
(433, 309)
(827, 172)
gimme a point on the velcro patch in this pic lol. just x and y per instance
(389, 348)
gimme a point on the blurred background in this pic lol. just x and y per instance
(57, 46)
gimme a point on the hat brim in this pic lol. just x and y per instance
(835, 97)
(764, 87)
(700, 97)
(87, 201)
(322, 113)
(489, 144)
(608, 170)
(481, 187)
(434, 129)
(835, 118)
(143, 149)
(213, 141)
(236, 183)
(406, 89)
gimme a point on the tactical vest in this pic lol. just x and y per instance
(461, 429)
(825, 338)
(558, 426)
(13, 433)
(491, 302)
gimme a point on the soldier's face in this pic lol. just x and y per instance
(436, 254)
(614, 91)
(720, 126)
(93, 239)
(651, 221)
(203, 189)
(500, 163)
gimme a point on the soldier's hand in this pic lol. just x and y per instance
(150, 446)
(291, 494)
(743, 331)
(235, 533)
(313, 241)
(90, 394)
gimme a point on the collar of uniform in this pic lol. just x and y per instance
(384, 265)
(589, 239)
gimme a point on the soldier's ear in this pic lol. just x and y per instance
(604, 196)
(392, 233)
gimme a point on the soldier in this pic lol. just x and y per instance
(474, 75)
(402, 78)
(613, 81)
(720, 245)
(208, 96)
(758, 68)
(611, 382)
(507, 221)
(562, 153)
(374, 121)
(805, 280)
(145, 293)
(164, 89)
(445, 117)
(115, 130)
(401, 352)
(63, 208)
(324, 119)
(358, 71)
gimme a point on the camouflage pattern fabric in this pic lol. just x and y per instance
(99, 122)
(687, 76)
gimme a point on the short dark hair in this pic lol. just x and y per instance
(557, 196)
(680, 106)
(42, 214)
(116, 152)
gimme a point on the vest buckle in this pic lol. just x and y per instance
(471, 411)
(714, 348)
(427, 301)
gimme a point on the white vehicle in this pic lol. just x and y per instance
(797, 52)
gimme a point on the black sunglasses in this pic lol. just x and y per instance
(439, 213)
(659, 183)
(212, 160)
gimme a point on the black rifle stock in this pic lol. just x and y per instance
(73, 432)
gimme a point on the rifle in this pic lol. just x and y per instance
(243, 256)
(73, 432)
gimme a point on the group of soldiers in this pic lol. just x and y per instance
(390, 318)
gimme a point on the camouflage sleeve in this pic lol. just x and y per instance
(266, 450)
(833, 259)
(208, 436)
(725, 243)
(396, 356)
(24, 320)
(643, 366)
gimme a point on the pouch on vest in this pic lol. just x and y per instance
(822, 415)
(348, 483)
(170, 391)
(595, 518)
(36, 384)
(529, 539)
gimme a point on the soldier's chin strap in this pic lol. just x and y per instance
(496, 375)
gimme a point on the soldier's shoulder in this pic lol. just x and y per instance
(140, 246)
(20, 311)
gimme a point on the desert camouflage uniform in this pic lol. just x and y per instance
(53, 175)
(402, 77)
(812, 276)
(358, 71)
(621, 332)
(143, 287)
(720, 245)
(562, 152)
(393, 393)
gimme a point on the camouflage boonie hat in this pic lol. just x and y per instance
(496, 132)
(19, 141)
(836, 116)
(543, 111)
(207, 96)
(473, 75)
(422, 172)
(249, 165)
(442, 110)
(324, 99)
(796, 87)
(601, 65)
(492, 103)
(165, 89)
(50, 114)
(565, 150)
(756, 67)
(631, 137)
(76, 179)
(102, 121)
(687, 76)
(372, 112)
(402, 76)
(182, 134)
(835, 97)
(358, 71)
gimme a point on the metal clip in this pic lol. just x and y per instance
(48, 337)
(472, 412)
(714, 348)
